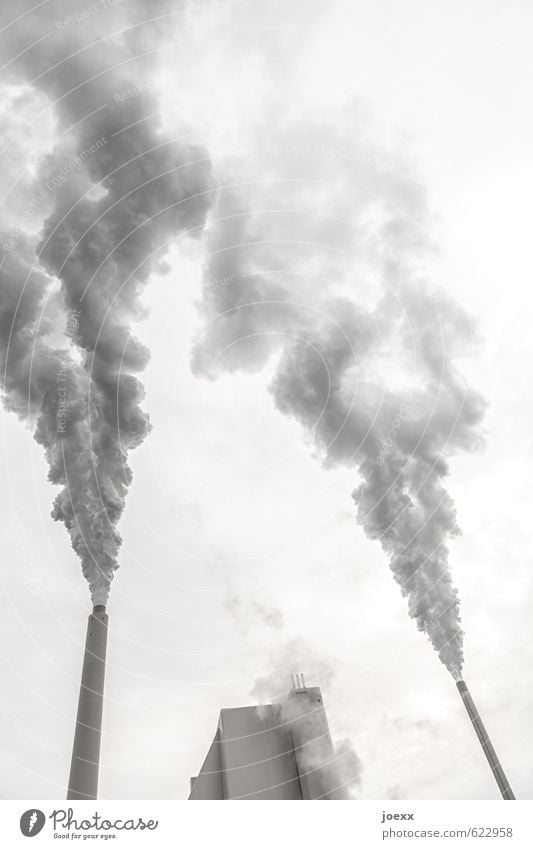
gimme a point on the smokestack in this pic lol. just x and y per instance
(483, 737)
(83, 780)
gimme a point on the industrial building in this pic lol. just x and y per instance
(274, 751)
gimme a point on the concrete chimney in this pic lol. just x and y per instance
(486, 745)
(83, 780)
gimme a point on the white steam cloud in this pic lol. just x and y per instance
(117, 192)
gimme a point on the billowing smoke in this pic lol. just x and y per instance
(117, 191)
(320, 273)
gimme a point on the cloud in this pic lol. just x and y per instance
(250, 614)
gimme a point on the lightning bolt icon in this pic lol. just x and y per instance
(33, 820)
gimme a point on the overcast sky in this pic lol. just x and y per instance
(242, 558)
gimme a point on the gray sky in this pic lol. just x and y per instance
(242, 557)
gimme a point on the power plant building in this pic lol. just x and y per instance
(274, 751)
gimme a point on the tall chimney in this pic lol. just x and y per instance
(83, 780)
(486, 745)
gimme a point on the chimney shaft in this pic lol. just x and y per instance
(83, 780)
(484, 739)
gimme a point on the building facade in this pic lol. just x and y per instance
(275, 751)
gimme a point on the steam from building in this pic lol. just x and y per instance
(333, 766)
(330, 764)
(117, 191)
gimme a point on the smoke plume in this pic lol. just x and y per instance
(327, 263)
(117, 191)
